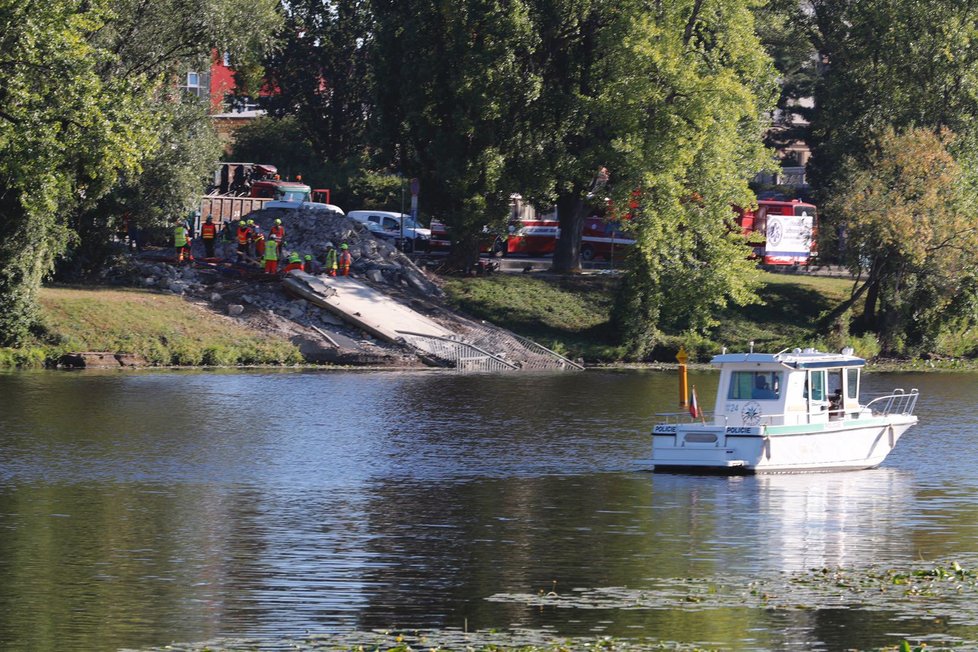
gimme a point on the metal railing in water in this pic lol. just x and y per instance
(461, 355)
(488, 349)
(899, 402)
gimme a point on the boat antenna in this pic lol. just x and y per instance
(752, 346)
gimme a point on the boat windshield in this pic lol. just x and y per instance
(760, 385)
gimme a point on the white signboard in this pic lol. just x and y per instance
(789, 236)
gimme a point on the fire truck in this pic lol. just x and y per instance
(602, 238)
(781, 232)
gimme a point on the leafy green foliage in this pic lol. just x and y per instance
(866, 88)
(322, 74)
(65, 134)
(79, 108)
(282, 142)
(786, 34)
(450, 80)
(694, 83)
(168, 186)
(908, 213)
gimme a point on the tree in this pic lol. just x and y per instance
(279, 141)
(451, 80)
(892, 64)
(695, 140)
(65, 134)
(83, 102)
(636, 91)
(323, 79)
(785, 30)
(668, 99)
(908, 215)
(167, 185)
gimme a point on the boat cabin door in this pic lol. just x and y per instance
(816, 391)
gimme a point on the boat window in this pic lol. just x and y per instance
(818, 385)
(852, 383)
(761, 385)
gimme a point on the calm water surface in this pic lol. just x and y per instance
(138, 509)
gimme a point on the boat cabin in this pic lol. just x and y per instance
(787, 388)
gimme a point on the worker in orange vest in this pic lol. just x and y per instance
(258, 238)
(271, 257)
(345, 259)
(253, 231)
(277, 232)
(208, 233)
(243, 235)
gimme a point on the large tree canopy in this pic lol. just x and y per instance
(80, 105)
(65, 133)
(451, 81)
(912, 234)
(892, 64)
(895, 69)
(689, 92)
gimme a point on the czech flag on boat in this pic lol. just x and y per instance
(694, 405)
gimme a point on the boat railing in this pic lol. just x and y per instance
(899, 402)
(686, 417)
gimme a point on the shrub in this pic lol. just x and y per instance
(218, 355)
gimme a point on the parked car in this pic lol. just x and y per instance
(416, 237)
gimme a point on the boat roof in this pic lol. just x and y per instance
(796, 359)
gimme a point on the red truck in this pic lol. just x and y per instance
(784, 231)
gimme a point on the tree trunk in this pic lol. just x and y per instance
(869, 318)
(571, 212)
(464, 255)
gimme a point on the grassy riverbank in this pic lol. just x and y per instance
(571, 315)
(162, 329)
(567, 314)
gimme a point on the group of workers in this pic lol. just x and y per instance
(253, 245)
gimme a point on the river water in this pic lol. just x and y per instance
(142, 508)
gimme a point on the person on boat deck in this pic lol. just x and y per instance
(761, 389)
(835, 404)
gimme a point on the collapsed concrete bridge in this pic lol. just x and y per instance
(479, 347)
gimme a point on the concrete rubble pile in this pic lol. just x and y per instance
(234, 297)
(245, 293)
(308, 231)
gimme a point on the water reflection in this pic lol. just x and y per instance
(137, 509)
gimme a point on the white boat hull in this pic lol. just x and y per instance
(830, 446)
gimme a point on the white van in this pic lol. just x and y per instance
(416, 237)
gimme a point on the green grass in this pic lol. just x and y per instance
(571, 314)
(789, 315)
(164, 329)
(567, 314)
